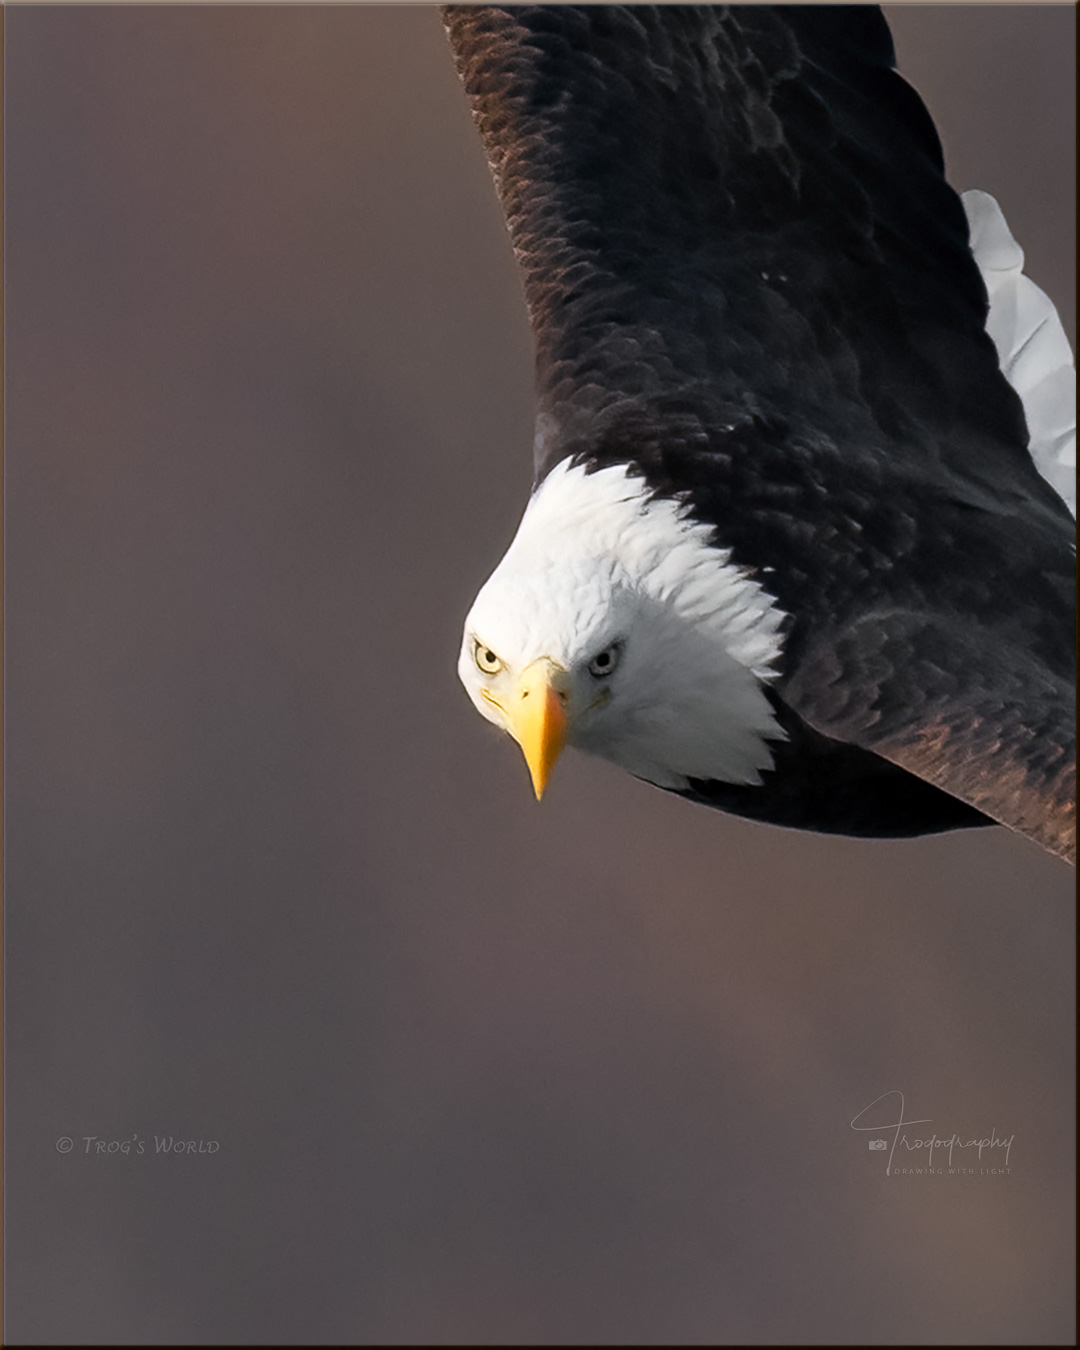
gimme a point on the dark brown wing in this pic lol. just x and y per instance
(989, 723)
(741, 207)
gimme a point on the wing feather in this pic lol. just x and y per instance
(1035, 354)
(991, 725)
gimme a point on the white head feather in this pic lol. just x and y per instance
(598, 564)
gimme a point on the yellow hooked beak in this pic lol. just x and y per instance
(536, 718)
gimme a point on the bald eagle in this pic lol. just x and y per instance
(798, 545)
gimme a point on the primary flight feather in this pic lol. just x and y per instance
(798, 546)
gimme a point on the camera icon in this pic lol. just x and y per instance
(877, 1144)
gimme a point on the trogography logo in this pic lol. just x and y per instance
(933, 1154)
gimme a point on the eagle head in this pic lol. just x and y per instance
(615, 623)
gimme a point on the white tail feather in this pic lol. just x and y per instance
(1034, 352)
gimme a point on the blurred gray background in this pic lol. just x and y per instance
(477, 1069)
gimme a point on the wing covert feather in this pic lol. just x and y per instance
(991, 726)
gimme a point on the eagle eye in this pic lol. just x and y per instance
(603, 663)
(486, 659)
